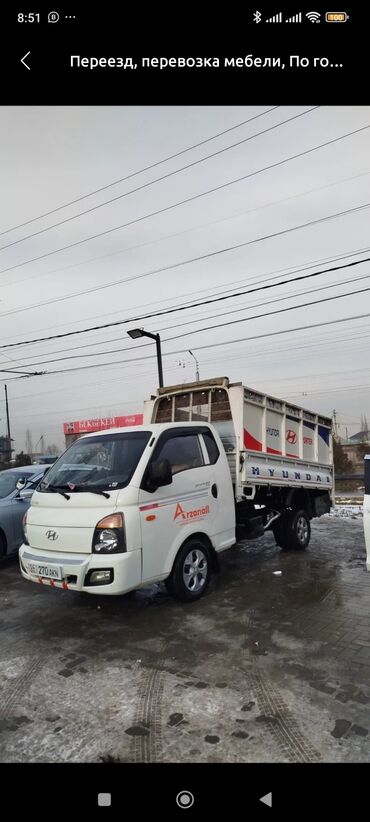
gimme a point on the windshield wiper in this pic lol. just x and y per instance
(80, 488)
(59, 489)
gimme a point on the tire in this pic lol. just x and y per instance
(293, 531)
(2, 546)
(191, 572)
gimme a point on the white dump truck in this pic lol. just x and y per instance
(214, 462)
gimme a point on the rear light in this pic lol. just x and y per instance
(109, 535)
(24, 523)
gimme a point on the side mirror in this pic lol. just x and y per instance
(26, 493)
(159, 474)
(21, 483)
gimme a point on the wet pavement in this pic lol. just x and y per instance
(265, 668)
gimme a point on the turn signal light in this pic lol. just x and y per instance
(111, 521)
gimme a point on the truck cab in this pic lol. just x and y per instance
(122, 509)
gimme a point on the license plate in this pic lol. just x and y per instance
(38, 569)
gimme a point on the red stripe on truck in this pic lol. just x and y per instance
(272, 451)
(250, 442)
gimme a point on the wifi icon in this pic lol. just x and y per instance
(313, 16)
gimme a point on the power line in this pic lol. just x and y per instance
(330, 390)
(169, 368)
(140, 171)
(157, 180)
(182, 263)
(187, 306)
(285, 297)
(277, 272)
(271, 313)
(202, 347)
(185, 201)
(251, 355)
(189, 230)
(199, 319)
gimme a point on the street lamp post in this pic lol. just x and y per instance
(196, 366)
(135, 333)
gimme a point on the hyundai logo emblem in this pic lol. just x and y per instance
(52, 535)
(291, 437)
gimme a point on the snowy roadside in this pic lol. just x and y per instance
(346, 511)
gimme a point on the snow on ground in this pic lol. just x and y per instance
(344, 511)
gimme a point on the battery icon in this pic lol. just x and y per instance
(336, 17)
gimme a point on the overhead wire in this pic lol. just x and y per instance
(219, 289)
(270, 204)
(118, 363)
(157, 180)
(214, 316)
(174, 309)
(185, 201)
(139, 171)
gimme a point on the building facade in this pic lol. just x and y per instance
(74, 430)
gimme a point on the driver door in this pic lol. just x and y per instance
(173, 512)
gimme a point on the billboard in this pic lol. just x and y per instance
(101, 424)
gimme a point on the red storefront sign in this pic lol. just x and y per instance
(101, 424)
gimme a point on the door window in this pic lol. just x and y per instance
(211, 446)
(182, 453)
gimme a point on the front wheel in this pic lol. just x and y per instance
(191, 572)
(293, 530)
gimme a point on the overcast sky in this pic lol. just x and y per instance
(50, 156)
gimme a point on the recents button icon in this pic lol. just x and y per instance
(104, 800)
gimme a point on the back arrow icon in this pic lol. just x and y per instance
(23, 60)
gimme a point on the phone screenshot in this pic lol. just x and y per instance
(184, 410)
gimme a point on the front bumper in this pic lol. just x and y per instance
(126, 569)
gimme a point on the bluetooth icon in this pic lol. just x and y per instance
(257, 16)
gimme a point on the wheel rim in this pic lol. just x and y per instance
(302, 529)
(195, 570)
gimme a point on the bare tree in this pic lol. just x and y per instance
(52, 449)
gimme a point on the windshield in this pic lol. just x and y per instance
(8, 481)
(100, 463)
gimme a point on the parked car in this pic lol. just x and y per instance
(16, 488)
(47, 460)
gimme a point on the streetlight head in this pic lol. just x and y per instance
(135, 333)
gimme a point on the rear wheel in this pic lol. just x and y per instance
(293, 530)
(191, 572)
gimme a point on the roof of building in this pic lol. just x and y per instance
(362, 436)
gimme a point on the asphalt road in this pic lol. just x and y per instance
(265, 668)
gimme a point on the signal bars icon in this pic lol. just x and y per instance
(297, 18)
(277, 18)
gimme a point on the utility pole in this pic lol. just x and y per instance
(196, 366)
(7, 420)
(335, 424)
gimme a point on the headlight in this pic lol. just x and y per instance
(109, 535)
